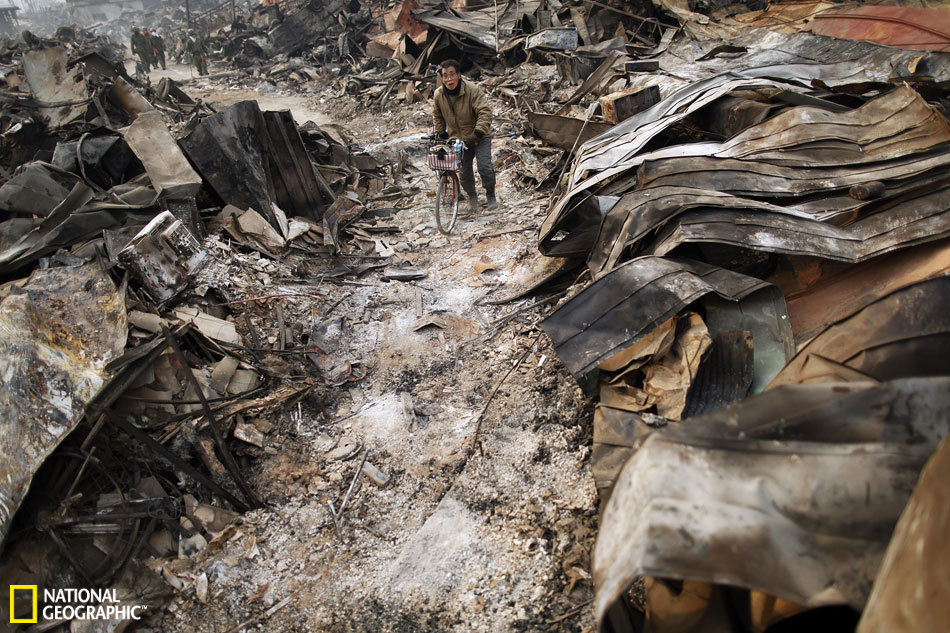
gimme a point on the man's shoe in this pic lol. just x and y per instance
(472, 205)
(491, 204)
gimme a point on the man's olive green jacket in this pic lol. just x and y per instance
(470, 113)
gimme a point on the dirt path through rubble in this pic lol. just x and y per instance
(458, 539)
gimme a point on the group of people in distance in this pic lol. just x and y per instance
(150, 49)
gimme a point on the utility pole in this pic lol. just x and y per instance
(188, 12)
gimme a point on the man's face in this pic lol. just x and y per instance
(450, 78)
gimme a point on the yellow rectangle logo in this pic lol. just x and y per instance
(14, 620)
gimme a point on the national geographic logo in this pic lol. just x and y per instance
(22, 589)
(69, 604)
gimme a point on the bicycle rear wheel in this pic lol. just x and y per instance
(447, 201)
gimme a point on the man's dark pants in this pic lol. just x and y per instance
(486, 171)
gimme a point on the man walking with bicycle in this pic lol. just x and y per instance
(460, 109)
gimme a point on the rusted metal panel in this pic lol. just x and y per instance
(910, 593)
(57, 334)
(915, 28)
(905, 333)
(836, 296)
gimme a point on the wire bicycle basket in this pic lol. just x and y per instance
(443, 157)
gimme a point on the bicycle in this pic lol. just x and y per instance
(445, 158)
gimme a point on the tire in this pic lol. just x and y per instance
(447, 202)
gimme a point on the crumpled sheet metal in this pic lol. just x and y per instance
(914, 221)
(895, 125)
(57, 334)
(904, 333)
(615, 151)
(774, 515)
(760, 178)
(911, 590)
(891, 125)
(687, 59)
(897, 138)
(479, 26)
(902, 411)
(36, 188)
(77, 218)
(618, 310)
(52, 83)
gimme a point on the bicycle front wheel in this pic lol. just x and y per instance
(447, 202)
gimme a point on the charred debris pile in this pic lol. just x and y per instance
(154, 333)
(755, 198)
(764, 327)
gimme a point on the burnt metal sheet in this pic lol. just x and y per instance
(744, 506)
(616, 311)
(472, 26)
(79, 217)
(728, 116)
(299, 29)
(168, 169)
(563, 131)
(297, 184)
(910, 592)
(254, 159)
(57, 334)
(903, 411)
(104, 160)
(639, 213)
(757, 178)
(856, 61)
(905, 333)
(125, 97)
(916, 28)
(558, 38)
(479, 26)
(617, 434)
(614, 151)
(891, 125)
(657, 220)
(62, 91)
(915, 221)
